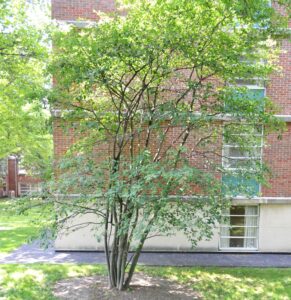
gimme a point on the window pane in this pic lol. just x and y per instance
(256, 94)
(237, 231)
(250, 243)
(245, 96)
(240, 228)
(242, 163)
(250, 81)
(239, 221)
(236, 243)
(233, 151)
(237, 210)
(238, 185)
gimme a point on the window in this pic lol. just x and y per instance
(27, 188)
(239, 228)
(238, 158)
(242, 150)
(256, 94)
(245, 95)
(3, 167)
(235, 158)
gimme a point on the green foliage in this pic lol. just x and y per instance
(24, 124)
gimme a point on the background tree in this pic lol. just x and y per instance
(151, 96)
(24, 126)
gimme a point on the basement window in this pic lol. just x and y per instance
(239, 228)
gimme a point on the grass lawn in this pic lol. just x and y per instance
(232, 283)
(15, 229)
(35, 281)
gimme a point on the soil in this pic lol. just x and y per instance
(143, 287)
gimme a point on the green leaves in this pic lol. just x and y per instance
(24, 124)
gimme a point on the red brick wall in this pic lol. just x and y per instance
(80, 9)
(28, 179)
(73, 10)
(63, 137)
(277, 153)
(12, 176)
(279, 87)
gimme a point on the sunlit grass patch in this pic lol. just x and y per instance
(231, 283)
(15, 229)
(35, 281)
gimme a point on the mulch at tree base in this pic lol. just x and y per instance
(143, 287)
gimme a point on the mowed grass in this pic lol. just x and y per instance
(15, 229)
(36, 281)
(231, 283)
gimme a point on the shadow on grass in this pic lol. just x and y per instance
(231, 283)
(35, 281)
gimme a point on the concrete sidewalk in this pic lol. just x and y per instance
(32, 253)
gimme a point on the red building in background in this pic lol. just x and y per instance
(14, 181)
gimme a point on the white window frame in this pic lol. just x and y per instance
(29, 188)
(225, 158)
(3, 167)
(241, 237)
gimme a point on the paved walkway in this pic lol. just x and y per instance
(34, 254)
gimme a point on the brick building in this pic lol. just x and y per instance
(262, 223)
(8, 177)
(14, 181)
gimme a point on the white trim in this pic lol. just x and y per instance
(285, 118)
(241, 215)
(79, 24)
(252, 87)
(220, 117)
(261, 200)
(237, 236)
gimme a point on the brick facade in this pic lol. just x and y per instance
(279, 86)
(277, 153)
(80, 9)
